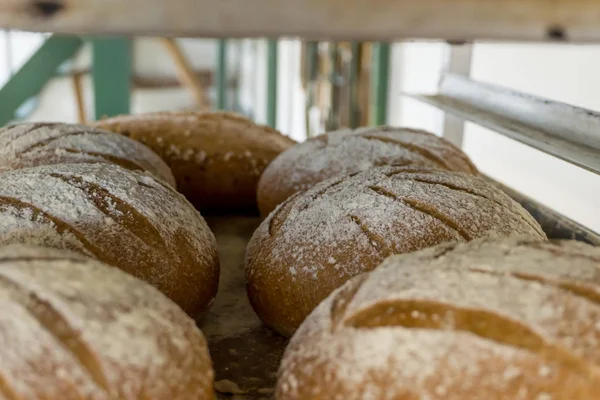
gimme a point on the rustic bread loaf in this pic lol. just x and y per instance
(217, 158)
(347, 151)
(318, 239)
(74, 328)
(124, 218)
(517, 319)
(34, 144)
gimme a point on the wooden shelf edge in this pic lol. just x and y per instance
(454, 20)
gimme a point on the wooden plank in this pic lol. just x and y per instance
(564, 131)
(573, 20)
(186, 73)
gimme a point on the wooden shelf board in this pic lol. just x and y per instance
(454, 20)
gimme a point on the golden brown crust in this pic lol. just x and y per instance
(217, 158)
(343, 152)
(512, 318)
(35, 144)
(124, 218)
(318, 239)
(73, 328)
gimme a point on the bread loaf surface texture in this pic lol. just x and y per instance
(318, 239)
(124, 218)
(510, 319)
(74, 328)
(217, 158)
(347, 151)
(34, 144)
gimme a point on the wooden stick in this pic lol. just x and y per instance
(81, 114)
(186, 74)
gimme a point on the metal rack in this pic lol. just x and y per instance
(566, 132)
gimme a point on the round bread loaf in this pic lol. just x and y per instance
(74, 328)
(217, 158)
(318, 239)
(512, 320)
(124, 218)
(33, 144)
(348, 151)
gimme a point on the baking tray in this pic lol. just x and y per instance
(554, 224)
(246, 354)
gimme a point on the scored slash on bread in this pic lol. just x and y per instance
(217, 158)
(74, 328)
(125, 218)
(513, 318)
(34, 144)
(346, 151)
(316, 240)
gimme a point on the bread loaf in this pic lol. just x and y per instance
(217, 158)
(346, 151)
(318, 239)
(74, 328)
(513, 320)
(124, 218)
(34, 144)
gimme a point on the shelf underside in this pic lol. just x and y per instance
(564, 131)
(454, 20)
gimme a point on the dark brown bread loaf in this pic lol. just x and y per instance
(74, 328)
(494, 320)
(124, 218)
(34, 144)
(347, 151)
(317, 240)
(217, 158)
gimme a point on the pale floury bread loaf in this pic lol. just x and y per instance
(72, 328)
(124, 218)
(316, 240)
(347, 151)
(216, 157)
(34, 144)
(493, 320)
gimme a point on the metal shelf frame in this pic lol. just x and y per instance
(564, 131)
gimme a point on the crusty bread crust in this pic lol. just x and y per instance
(317, 240)
(74, 328)
(124, 218)
(512, 319)
(347, 151)
(34, 144)
(217, 158)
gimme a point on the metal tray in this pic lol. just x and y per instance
(246, 354)
(554, 224)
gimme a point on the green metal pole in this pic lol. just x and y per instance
(354, 73)
(381, 77)
(29, 80)
(334, 78)
(111, 70)
(222, 75)
(272, 71)
(312, 58)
